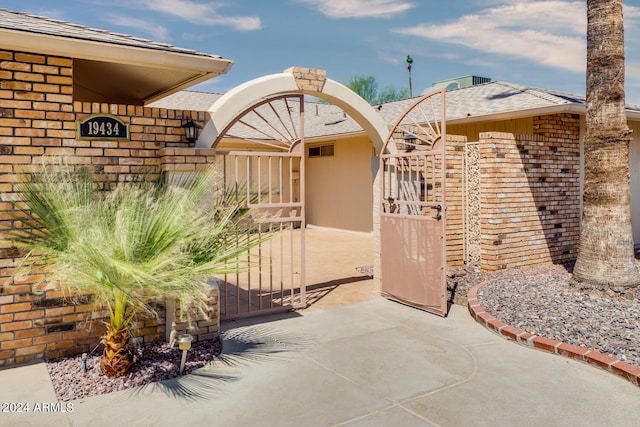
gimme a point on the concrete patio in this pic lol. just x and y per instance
(370, 363)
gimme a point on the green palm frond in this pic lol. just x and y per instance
(137, 242)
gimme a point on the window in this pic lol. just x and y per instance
(321, 151)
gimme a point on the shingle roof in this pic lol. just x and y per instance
(474, 101)
(187, 100)
(21, 21)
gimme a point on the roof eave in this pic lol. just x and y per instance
(87, 49)
(204, 67)
(515, 114)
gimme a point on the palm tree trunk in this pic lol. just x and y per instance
(117, 359)
(606, 256)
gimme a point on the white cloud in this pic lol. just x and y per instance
(202, 13)
(360, 8)
(157, 32)
(632, 52)
(552, 33)
(631, 11)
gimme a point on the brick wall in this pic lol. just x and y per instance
(530, 192)
(454, 195)
(38, 118)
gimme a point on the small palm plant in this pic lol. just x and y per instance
(132, 244)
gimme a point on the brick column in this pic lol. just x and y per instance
(530, 199)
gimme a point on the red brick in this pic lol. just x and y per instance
(510, 332)
(599, 359)
(545, 344)
(485, 318)
(572, 351)
(496, 324)
(629, 372)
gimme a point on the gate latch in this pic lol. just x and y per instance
(438, 214)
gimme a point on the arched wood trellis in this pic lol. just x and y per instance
(261, 166)
(413, 207)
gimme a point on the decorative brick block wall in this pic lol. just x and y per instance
(530, 192)
(471, 207)
(38, 118)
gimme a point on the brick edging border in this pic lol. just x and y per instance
(610, 364)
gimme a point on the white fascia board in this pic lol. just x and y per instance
(514, 114)
(121, 54)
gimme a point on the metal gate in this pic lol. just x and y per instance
(413, 211)
(260, 158)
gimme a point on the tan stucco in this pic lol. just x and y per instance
(339, 188)
(522, 126)
(634, 162)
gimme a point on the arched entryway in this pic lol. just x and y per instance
(271, 112)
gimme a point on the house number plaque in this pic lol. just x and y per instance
(103, 127)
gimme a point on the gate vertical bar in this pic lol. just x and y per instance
(280, 208)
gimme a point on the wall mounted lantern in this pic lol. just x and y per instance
(190, 130)
(410, 142)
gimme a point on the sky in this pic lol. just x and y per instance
(540, 43)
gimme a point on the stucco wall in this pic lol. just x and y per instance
(339, 187)
(472, 131)
(634, 162)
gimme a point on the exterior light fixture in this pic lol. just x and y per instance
(190, 130)
(410, 139)
(410, 142)
(184, 343)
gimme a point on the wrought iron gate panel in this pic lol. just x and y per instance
(271, 184)
(413, 211)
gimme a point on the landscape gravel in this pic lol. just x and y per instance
(541, 301)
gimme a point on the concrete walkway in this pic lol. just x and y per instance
(374, 363)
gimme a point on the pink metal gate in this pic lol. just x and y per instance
(260, 158)
(413, 211)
